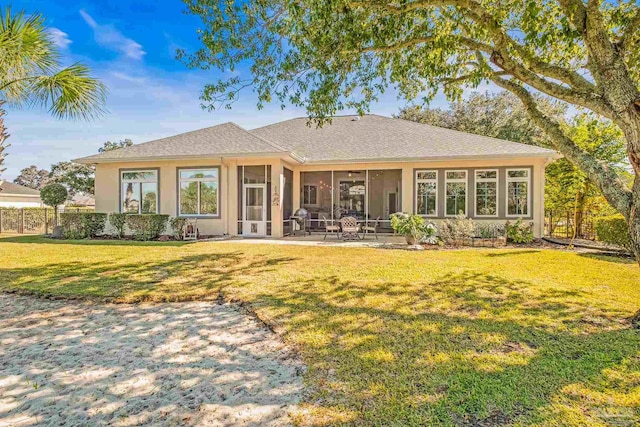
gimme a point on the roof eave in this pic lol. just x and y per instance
(92, 161)
(549, 155)
(2, 193)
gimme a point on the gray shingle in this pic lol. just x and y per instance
(224, 139)
(11, 188)
(374, 137)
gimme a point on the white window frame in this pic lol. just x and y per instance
(428, 181)
(199, 180)
(464, 180)
(140, 181)
(526, 179)
(476, 180)
(304, 191)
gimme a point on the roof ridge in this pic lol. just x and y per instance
(266, 141)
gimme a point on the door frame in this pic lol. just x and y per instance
(387, 193)
(246, 224)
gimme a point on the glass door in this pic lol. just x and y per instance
(255, 210)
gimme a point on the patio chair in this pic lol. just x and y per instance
(190, 229)
(367, 229)
(329, 226)
(350, 227)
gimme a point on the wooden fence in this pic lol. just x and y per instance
(31, 220)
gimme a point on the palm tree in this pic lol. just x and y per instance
(31, 74)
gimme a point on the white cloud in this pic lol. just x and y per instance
(109, 37)
(60, 38)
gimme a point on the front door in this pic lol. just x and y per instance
(255, 210)
(391, 203)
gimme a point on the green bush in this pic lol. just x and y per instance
(82, 225)
(413, 226)
(147, 226)
(519, 232)
(118, 221)
(612, 230)
(177, 226)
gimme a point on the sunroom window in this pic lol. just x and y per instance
(456, 193)
(518, 192)
(427, 192)
(139, 191)
(198, 192)
(486, 182)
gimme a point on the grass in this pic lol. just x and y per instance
(396, 338)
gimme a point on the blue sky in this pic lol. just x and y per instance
(130, 45)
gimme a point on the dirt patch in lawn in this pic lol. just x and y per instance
(194, 363)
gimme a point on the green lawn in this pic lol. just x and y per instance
(396, 338)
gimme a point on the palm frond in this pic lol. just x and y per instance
(70, 93)
(26, 49)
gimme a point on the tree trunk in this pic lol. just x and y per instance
(3, 137)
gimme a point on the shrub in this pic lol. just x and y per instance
(177, 226)
(457, 230)
(613, 230)
(82, 225)
(54, 195)
(519, 232)
(118, 221)
(147, 226)
(413, 226)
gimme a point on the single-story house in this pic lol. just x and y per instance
(250, 182)
(18, 196)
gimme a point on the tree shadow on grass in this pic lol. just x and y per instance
(41, 239)
(620, 259)
(182, 279)
(466, 349)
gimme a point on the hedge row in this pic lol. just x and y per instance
(83, 225)
(613, 230)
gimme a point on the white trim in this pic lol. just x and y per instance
(476, 180)
(415, 192)
(303, 194)
(526, 179)
(464, 181)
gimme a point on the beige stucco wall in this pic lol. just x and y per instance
(107, 189)
(108, 197)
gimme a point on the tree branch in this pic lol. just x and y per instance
(624, 44)
(612, 187)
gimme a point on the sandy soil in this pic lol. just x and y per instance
(198, 363)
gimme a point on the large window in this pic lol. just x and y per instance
(456, 192)
(139, 191)
(198, 192)
(518, 192)
(310, 195)
(486, 192)
(427, 193)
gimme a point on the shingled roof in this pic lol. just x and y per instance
(375, 138)
(222, 140)
(347, 138)
(7, 188)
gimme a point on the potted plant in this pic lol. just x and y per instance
(412, 227)
(54, 195)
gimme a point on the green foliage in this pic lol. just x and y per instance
(457, 230)
(147, 226)
(177, 225)
(54, 194)
(613, 230)
(118, 222)
(82, 225)
(110, 146)
(500, 115)
(33, 177)
(519, 232)
(78, 178)
(412, 225)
